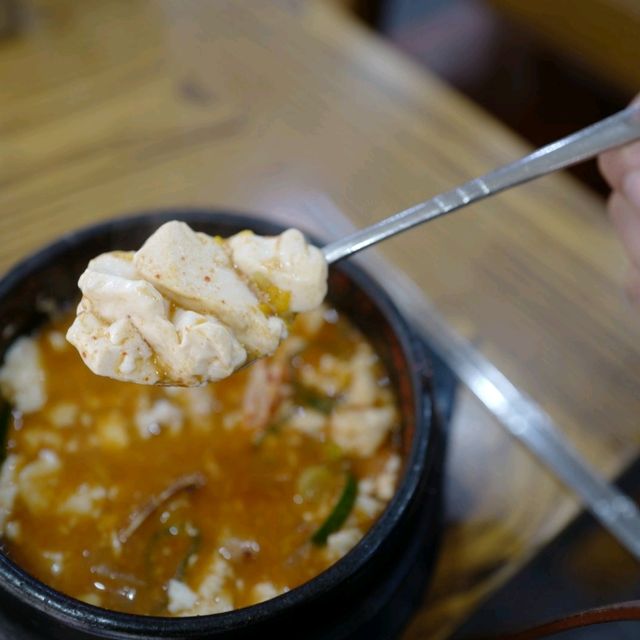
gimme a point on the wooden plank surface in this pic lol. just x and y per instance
(112, 107)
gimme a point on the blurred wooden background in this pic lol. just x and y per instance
(109, 107)
(543, 67)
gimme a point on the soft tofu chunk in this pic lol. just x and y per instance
(8, 487)
(161, 414)
(112, 432)
(36, 481)
(387, 479)
(63, 415)
(212, 596)
(360, 432)
(287, 261)
(104, 332)
(114, 350)
(341, 542)
(263, 591)
(125, 330)
(363, 388)
(204, 349)
(22, 378)
(308, 421)
(57, 341)
(55, 560)
(84, 501)
(194, 270)
(183, 311)
(181, 598)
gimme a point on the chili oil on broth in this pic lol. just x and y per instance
(170, 501)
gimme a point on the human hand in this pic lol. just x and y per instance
(621, 169)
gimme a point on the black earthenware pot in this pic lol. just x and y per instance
(367, 594)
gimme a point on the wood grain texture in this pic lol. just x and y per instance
(112, 107)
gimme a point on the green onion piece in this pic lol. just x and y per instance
(314, 481)
(150, 549)
(194, 546)
(332, 451)
(308, 398)
(339, 513)
(195, 540)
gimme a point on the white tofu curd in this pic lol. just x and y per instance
(287, 262)
(22, 379)
(188, 308)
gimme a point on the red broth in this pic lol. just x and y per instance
(170, 501)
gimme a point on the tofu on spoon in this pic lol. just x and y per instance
(188, 308)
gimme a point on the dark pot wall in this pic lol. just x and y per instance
(370, 592)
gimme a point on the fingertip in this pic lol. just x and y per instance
(607, 166)
(631, 188)
(615, 164)
(616, 205)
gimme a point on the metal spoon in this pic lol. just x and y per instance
(618, 129)
(515, 410)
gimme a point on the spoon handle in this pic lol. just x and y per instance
(613, 131)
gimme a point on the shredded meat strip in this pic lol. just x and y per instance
(140, 514)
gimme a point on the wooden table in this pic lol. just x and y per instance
(107, 108)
